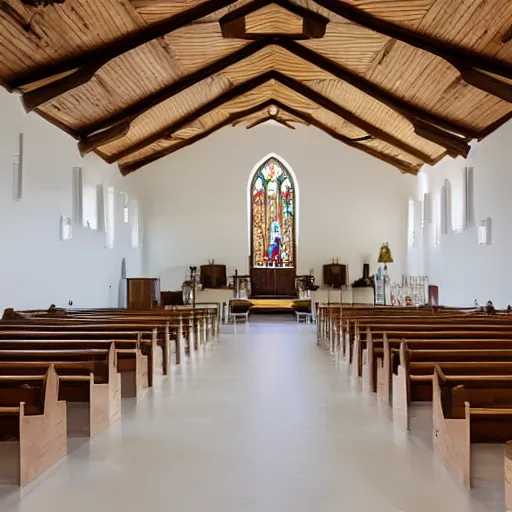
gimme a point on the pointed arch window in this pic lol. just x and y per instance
(273, 216)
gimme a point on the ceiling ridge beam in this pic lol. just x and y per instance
(233, 24)
(434, 128)
(270, 118)
(307, 118)
(452, 53)
(296, 86)
(84, 66)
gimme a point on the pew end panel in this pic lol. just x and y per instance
(43, 438)
(105, 398)
(384, 381)
(114, 380)
(367, 363)
(451, 436)
(400, 399)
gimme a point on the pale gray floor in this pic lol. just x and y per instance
(263, 421)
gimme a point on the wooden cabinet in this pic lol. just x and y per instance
(143, 293)
(213, 276)
(335, 275)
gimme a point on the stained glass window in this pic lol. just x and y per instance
(273, 216)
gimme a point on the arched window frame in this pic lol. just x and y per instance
(255, 259)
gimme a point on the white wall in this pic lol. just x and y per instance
(195, 205)
(36, 268)
(462, 268)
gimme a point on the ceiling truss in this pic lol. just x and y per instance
(44, 84)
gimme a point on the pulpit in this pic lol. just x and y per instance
(213, 276)
(335, 275)
(143, 293)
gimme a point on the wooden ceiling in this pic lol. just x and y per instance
(406, 81)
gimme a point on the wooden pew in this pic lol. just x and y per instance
(387, 358)
(147, 341)
(31, 413)
(412, 379)
(130, 362)
(370, 355)
(93, 382)
(466, 409)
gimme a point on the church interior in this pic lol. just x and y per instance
(255, 255)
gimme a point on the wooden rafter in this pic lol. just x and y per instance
(467, 62)
(296, 86)
(294, 120)
(411, 112)
(91, 140)
(233, 24)
(276, 119)
(233, 118)
(86, 64)
(265, 119)
(434, 128)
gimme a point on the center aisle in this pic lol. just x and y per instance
(264, 421)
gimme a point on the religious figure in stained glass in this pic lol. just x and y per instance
(273, 216)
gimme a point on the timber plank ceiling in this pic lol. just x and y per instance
(406, 81)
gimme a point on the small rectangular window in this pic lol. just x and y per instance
(111, 217)
(126, 212)
(135, 226)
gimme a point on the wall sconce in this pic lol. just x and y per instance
(484, 231)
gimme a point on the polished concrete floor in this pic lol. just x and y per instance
(262, 421)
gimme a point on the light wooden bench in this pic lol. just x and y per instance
(37, 420)
(95, 383)
(130, 362)
(474, 408)
(412, 380)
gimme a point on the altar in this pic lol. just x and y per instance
(277, 282)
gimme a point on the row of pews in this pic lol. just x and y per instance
(457, 362)
(64, 373)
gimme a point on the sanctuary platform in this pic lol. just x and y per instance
(272, 305)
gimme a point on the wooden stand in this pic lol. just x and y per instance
(143, 293)
(213, 276)
(335, 275)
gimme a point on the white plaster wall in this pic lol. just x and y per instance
(462, 268)
(195, 202)
(36, 268)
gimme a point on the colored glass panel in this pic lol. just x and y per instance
(273, 216)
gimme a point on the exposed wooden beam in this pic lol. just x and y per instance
(411, 112)
(87, 63)
(298, 121)
(494, 126)
(126, 116)
(434, 127)
(306, 118)
(485, 82)
(231, 94)
(233, 24)
(330, 105)
(131, 167)
(507, 36)
(452, 53)
(292, 84)
(265, 119)
(395, 162)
